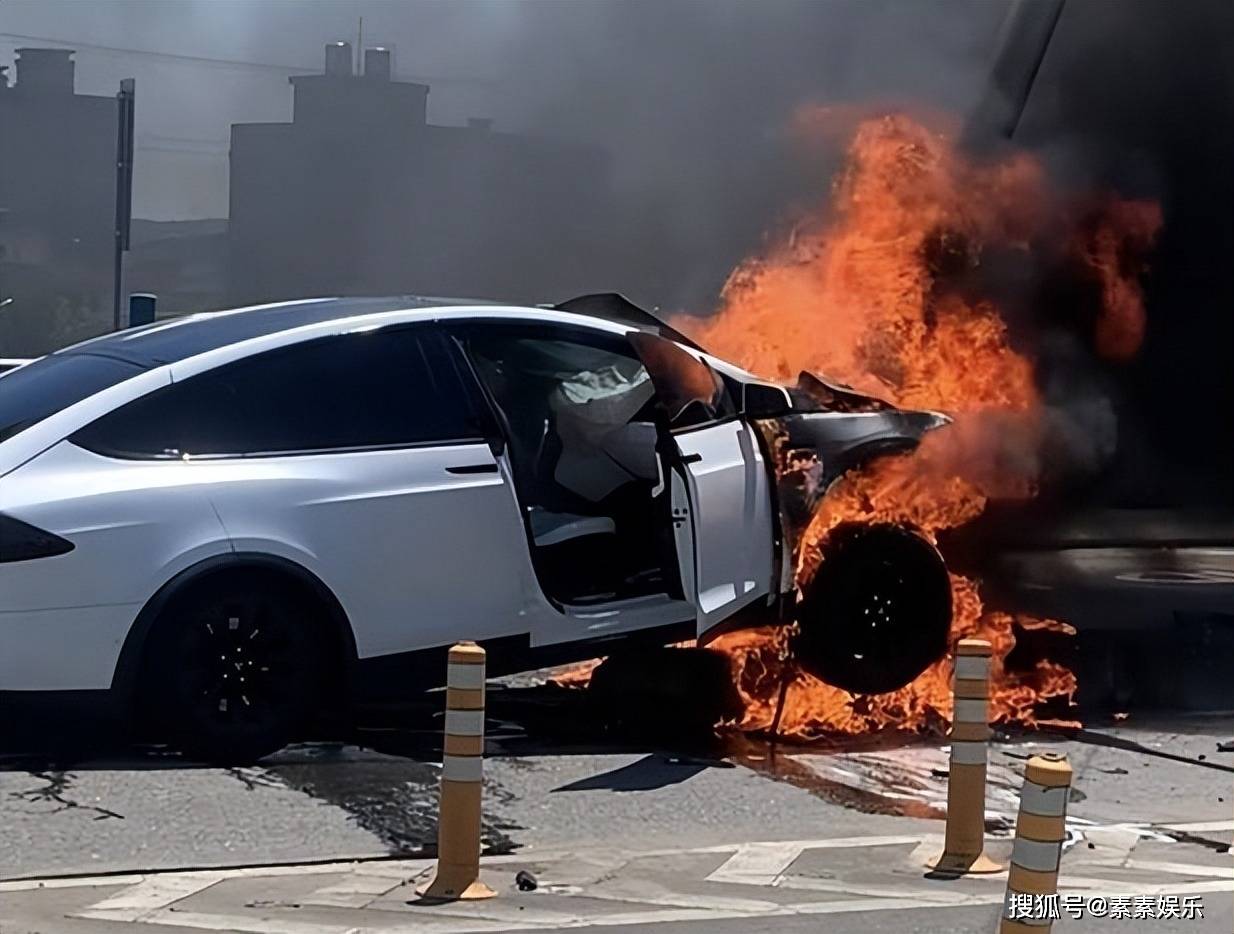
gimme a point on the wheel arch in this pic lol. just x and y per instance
(125, 679)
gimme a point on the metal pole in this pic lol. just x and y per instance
(1023, 42)
(125, 108)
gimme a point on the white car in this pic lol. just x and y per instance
(222, 523)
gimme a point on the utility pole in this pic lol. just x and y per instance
(1023, 42)
(125, 109)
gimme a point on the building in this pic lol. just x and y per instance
(361, 194)
(184, 263)
(57, 205)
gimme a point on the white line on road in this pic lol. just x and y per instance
(70, 882)
(757, 863)
(248, 925)
(1211, 826)
(507, 917)
(152, 894)
(765, 863)
(667, 899)
(1181, 869)
(245, 872)
(812, 884)
(355, 891)
(149, 898)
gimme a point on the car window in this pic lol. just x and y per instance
(40, 389)
(689, 391)
(364, 390)
(568, 398)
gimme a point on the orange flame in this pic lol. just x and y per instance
(883, 290)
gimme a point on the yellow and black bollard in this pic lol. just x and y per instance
(964, 841)
(1040, 828)
(462, 781)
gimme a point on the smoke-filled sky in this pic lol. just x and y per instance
(685, 94)
(691, 100)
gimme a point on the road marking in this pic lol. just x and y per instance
(355, 891)
(152, 894)
(496, 917)
(812, 884)
(666, 899)
(69, 882)
(757, 863)
(765, 863)
(1181, 869)
(1201, 826)
(249, 925)
(244, 872)
(890, 904)
(150, 898)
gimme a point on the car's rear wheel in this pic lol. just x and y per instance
(233, 669)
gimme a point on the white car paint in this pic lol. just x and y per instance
(416, 556)
(136, 525)
(731, 523)
(462, 567)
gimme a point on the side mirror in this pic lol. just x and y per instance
(765, 400)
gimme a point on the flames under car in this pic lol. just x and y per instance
(877, 611)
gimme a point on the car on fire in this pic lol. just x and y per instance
(219, 526)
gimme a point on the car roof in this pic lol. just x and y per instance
(176, 339)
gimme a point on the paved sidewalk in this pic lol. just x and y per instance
(764, 884)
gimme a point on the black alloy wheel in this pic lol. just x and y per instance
(235, 672)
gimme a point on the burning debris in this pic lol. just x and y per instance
(899, 290)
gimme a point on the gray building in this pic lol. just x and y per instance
(361, 194)
(57, 205)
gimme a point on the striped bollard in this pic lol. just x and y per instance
(462, 781)
(964, 841)
(1040, 828)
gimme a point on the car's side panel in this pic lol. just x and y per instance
(730, 507)
(417, 555)
(134, 525)
(65, 649)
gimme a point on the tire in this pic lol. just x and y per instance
(234, 669)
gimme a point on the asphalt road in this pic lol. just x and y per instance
(674, 834)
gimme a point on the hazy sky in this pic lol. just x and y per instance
(667, 86)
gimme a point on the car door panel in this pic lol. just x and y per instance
(731, 521)
(418, 553)
(726, 492)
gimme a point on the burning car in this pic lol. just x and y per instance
(223, 524)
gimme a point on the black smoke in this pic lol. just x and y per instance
(691, 101)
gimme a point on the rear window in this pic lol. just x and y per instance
(40, 389)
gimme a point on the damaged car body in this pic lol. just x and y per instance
(236, 520)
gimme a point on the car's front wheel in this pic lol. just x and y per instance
(233, 669)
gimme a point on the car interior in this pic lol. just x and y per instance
(580, 420)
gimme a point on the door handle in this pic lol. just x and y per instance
(690, 458)
(473, 468)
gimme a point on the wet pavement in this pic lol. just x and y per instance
(691, 832)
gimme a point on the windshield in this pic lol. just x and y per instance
(40, 389)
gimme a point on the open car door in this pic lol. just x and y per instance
(720, 488)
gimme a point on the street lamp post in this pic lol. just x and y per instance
(125, 107)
